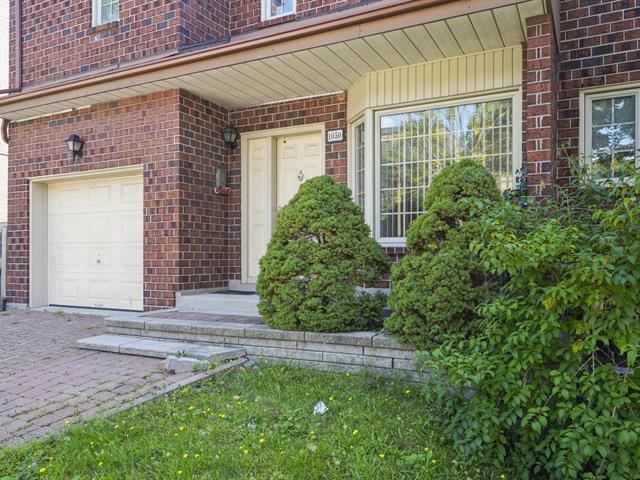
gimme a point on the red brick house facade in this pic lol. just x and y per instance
(377, 94)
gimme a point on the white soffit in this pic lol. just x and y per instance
(330, 68)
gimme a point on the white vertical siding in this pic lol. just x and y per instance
(464, 75)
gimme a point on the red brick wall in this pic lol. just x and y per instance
(245, 14)
(540, 90)
(203, 215)
(58, 40)
(330, 110)
(599, 46)
(175, 136)
(204, 20)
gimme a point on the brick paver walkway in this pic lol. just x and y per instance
(47, 383)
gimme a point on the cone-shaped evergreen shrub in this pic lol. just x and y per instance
(319, 255)
(438, 284)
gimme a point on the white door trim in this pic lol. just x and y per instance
(38, 218)
(272, 135)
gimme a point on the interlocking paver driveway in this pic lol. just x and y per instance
(47, 383)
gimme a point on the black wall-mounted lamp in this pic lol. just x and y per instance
(231, 136)
(76, 145)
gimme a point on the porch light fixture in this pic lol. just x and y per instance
(76, 145)
(231, 136)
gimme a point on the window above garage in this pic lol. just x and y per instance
(105, 12)
(277, 8)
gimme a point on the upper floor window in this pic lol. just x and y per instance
(611, 130)
(105, 11)
(277, 8)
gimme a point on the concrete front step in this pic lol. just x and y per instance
(159, 348)
(350, 351)
(219, 303)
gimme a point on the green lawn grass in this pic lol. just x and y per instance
(257, 423)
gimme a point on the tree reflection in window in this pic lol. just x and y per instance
(416, 146)
(613, 142)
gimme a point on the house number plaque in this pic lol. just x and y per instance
(336, 135)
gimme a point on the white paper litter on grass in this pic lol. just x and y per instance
(320, 408)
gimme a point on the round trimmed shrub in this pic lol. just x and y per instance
(320, 253)
(437, 286)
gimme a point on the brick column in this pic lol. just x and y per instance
(540, 86)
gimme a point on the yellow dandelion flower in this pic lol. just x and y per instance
(221, 415)
(191, 407)
(503, 476)
(181, 428)
(179, 472)
(262, 440)
(434, 461)
(100, 463)
(42, 470)
(426, 449)
(331, 399)
(312, 432)
(185, 455)
(355, 432)
(407, 392)
(175, 434)
(381, 455)
(350, 398)
(196, 455)
(245, 451)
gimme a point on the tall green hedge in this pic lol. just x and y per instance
(320, 253)
(438, 284)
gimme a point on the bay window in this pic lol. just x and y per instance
(611, 129)
(412, 145)
(359, 165)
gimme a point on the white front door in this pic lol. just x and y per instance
(95, 243)
(297, 158)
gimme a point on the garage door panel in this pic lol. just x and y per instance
(67, 289)
(99, 291)
(129, 225)
(65, 258)
(95, 252)
(100, 196)
(131, 193)
(99, 227)
(132, 256)
(64, 228)
(65, 200)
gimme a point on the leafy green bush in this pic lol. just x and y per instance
(320, 253)
(438, 284)
(550, 385)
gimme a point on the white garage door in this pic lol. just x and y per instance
(95, 242)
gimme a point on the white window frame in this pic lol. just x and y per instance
(372, 120)
(96, 13)
(265, 10)
(586, 103)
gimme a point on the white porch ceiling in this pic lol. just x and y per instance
(322, 69)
